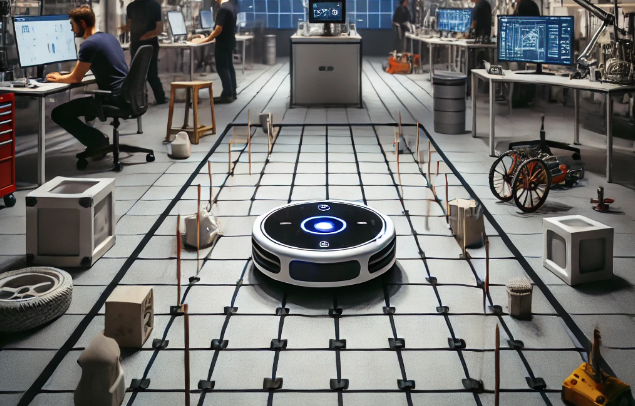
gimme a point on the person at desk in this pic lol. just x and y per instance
(481, 19)
(225, 35)
(145, 25)
(102, 54)
(401, 24)
(527, 8)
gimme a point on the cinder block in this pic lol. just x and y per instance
(70, 222)
(578, 249)
(130, 315)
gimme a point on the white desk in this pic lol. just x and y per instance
(40, 92)
(608, 89)
(436, 41)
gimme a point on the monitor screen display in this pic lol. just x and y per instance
(454, 19)
(327, 11)
(206, 19)
(42, 40)
(177, 23)
(536, 39)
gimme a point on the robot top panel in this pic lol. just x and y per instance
(323, 225)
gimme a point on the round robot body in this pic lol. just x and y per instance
(323, 243)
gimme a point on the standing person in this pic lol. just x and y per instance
(401, 24)
(145, 24)
(225, 35)
(481, 19)
(527, 8)
(102, 54)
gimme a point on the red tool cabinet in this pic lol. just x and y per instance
(7, 149)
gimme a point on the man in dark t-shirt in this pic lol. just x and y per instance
(102, 54)
(145, 24)
(401, 21)
(527, 8)
(481, 19)
(225, 35)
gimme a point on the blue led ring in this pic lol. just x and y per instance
(324, 227)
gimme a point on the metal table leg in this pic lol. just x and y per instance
(474, 80)
(576, 124)
(609, 138)
(431, 52)
(244, 45)
(492, 120)
(450, 51)
(191, 64)
(467, 60)
(41, 142)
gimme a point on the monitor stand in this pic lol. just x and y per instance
(40, 72)
(538, 71)
(327, 30)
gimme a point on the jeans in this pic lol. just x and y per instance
(153, 71)
(225, 68)
(67, 116)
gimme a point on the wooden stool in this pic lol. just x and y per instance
(192, 89)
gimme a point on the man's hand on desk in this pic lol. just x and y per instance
(54, 77)
(196, 39)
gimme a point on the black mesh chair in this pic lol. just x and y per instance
(399, 37)
(132, 102)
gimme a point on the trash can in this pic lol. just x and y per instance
(270, 50)
(449, 102)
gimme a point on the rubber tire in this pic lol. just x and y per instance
(9, 200)
(491, 177)
(544, 196)
(29, 313)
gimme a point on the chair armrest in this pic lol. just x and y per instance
(98, 92)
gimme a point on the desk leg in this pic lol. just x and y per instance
(609, 138)
(473, 95)
(450, 52)
(244, 45)
(492, 120)
(41, 142)
(191, 65)
(431, 52)
(576, 124)
(467, 60)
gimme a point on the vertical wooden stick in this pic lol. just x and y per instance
(447, 202)
(418, 157)
(209, 171)
(198, 229)
(438, 166)
(178, 260)
(497, 368)
(186, 330)
(429, 158)
(229, 168)
(486, 264)
(249, 138)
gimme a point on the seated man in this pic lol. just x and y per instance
(401, 24)
(101, 53)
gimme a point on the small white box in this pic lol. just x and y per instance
(578, 249)
(70, 222)
(130, 315)
(466, 222)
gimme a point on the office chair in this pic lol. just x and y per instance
(132, 103)
(544, 145)
(399, 36)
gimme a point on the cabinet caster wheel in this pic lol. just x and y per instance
(9, 200)
(81, 164)
(576, 156)
(150, 158)
(118, 167)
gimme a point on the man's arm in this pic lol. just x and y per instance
(125, 28)
(75, 76)
(154, 33)
(210, 38)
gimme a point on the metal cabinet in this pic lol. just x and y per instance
(326, 71)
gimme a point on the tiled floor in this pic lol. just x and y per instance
(336, 161)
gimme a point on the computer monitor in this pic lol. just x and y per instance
(536, 39)
(42, 40)
(321, 11)
(454, 19)
(206, 19)
(177, 23)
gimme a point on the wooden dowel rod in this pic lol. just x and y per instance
(447, 201)
(497, 369)
(209, 171)
(198, 229)
(178, 260)
(186, 330)
(486, 264)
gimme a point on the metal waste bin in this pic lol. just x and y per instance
(270, 50)
(449, 102)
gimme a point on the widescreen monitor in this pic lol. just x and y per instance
(327, 11)
(42, 40)
(454, 19)
(177, 23)
(536, 39)
(206, 19)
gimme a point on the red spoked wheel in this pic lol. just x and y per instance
(501, 175)
(531, 184)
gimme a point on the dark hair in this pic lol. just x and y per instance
(85, 13)
(401, 2)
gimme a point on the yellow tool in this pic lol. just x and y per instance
(588, 385)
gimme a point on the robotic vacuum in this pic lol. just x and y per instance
(324, 243)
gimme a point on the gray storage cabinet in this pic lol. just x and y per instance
(326, 71)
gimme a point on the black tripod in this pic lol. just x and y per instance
(545, 146)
